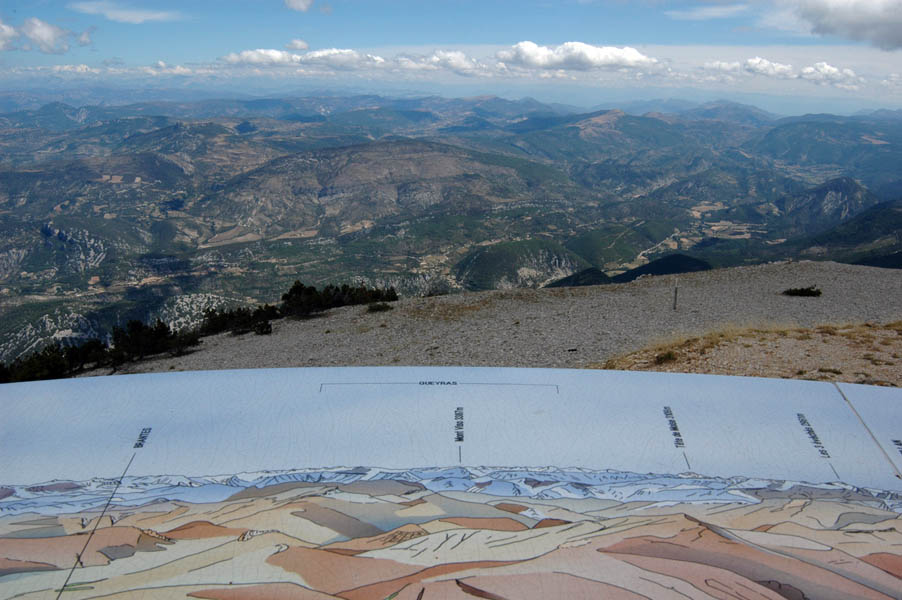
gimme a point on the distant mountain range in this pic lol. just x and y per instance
(166, 208)
(539, 483)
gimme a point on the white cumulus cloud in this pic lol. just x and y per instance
(84, 38)
(262, 56)
(876, 21)
(334, 58)
(7, 34)
(297, 44)
(47, 37)
(123, 14)
(762, 66)
(79, 69)
(821, 73)
(342, 59)
(161, 68)
(892, 81)
(442, 60)
(705, 13)
(723, 66)
(827, 74)
(456, 61)
(299, 5)
(43, 36)
(576, 56)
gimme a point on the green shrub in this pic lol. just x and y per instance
(665, 357)
(184, 340)
(138, 340)
(55, 361)
(302, 300)
(92, 351)
(238, 321)
(49, 363)
(806, 291)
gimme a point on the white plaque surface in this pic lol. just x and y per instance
(449, 482)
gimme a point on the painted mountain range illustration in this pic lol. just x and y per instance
(361, 533)
(541, 483)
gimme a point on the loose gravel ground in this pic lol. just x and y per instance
(563, 328)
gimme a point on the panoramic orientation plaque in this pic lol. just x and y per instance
(419, 483)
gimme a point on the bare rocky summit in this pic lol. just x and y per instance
(589, 326)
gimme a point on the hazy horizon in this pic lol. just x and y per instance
(785, 56)
(781, 106)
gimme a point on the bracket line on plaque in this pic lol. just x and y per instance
(96, 524)
(557, 388)
(877, 443)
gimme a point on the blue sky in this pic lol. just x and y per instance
(844, 51)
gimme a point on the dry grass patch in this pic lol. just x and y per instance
(456, 307)
(854, 353)
(439, 310)
(695, 345)
(580, 291)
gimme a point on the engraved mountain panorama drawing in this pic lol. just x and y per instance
(456, 532)
(151, 485)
